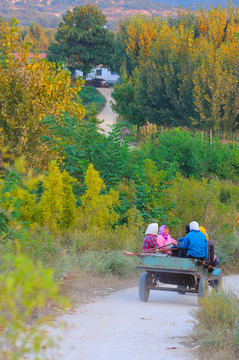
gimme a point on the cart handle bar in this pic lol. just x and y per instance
(128, 253)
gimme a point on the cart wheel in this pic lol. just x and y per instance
(202, 287)
(143, 287)
(181, 289)
(218, 285)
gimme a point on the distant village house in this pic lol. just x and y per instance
(101, 73)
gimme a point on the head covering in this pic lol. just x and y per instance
(203, 230)
(194, 226)
(161, 231)
(152, 229)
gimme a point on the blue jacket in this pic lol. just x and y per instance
(195, 243)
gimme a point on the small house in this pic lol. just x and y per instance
(100, 73)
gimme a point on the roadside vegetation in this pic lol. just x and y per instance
(72, 199)
(90, 96)
(217, 328)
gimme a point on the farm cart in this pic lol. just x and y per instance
(189, 275)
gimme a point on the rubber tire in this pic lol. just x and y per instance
(181, 289)
(143, 287)
(202, 287)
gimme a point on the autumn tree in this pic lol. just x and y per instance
(31, 89)
(58, 204)
(38, 37)
(187, 69)
(133, 39)
(82, 40)
(97, 209)
(9, 38)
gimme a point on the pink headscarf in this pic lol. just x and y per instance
(161, 231)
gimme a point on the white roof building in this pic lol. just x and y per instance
(100, 72)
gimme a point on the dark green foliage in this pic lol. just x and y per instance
(80, 143)
(82, 40)
(182, 151)
(90, 95)
(126, 102)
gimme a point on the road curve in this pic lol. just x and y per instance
(106, 115)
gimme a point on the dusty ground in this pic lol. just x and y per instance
(120, 327)
(82, 288)
(107, 115)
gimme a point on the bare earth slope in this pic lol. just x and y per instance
(49, 12)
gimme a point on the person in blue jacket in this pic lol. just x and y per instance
(195, 243)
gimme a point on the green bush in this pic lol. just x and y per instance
(38, 242)
(227, 249)
(25, 291)
(107, 263)
(182, 151)
(81, 143)
(89, 95)
(200, 200)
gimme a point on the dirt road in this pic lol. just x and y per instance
(120, 327)
(106, 114)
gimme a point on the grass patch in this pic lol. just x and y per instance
(86, 276)
(90, 95)
(217, 328)
(227, 250)
(107, 263)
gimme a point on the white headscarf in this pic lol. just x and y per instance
(152, 229)
(194, 226)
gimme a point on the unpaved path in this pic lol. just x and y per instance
(107, 114)
(120, 327)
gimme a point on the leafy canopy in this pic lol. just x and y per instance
(82, 40)
(31, 89)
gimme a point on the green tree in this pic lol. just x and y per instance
(82, 40)
(126, 102)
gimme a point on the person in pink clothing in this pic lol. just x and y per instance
(164, 238)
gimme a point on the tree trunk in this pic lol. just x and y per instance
(233, 136)
(223, 137)
(203, 133)
(137, 133)
(210, 137)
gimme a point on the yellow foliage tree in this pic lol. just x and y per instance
(31, 89)
(58, 204)
(97, 209)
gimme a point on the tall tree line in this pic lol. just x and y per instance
(181, 71)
